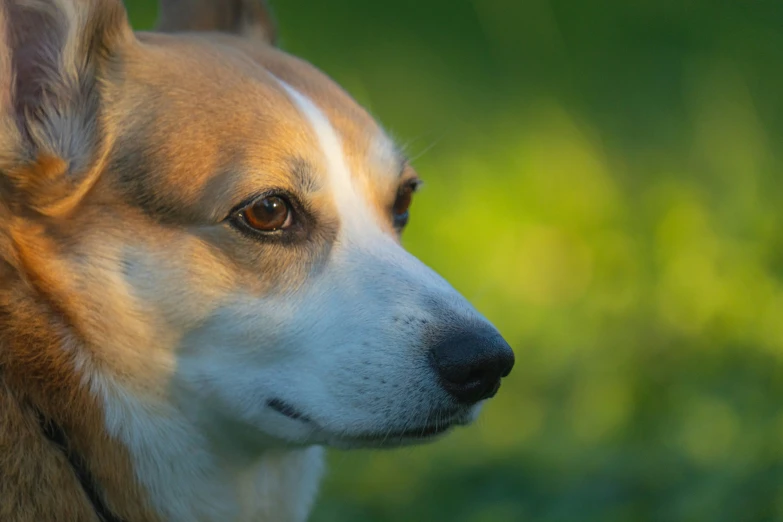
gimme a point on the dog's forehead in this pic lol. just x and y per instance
(361, 134)
(215, 108)
(371, 155)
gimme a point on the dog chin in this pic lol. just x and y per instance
(391, 439)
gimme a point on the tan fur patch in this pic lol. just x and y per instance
(37, 372)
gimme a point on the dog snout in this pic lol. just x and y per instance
(470, 363)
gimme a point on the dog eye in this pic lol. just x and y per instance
(268, 214)
(401, 208)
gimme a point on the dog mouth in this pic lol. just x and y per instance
(445, 421)
(285, 409)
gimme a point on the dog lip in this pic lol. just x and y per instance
(283, 408)
(451, 417)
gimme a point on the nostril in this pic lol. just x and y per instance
(475, 374)
(470, 363)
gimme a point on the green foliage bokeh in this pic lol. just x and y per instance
(604, 182)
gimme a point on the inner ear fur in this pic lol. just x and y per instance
(54, 55)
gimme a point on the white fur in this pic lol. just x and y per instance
(348, 350)
(188, 482)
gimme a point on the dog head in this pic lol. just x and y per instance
(219, 224)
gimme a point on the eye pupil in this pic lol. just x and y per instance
(403, 202)
(268, 214)
(402, 205)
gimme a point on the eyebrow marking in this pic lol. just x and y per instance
(356, 216)
(386, 158)
(304, 176)
(405, 165)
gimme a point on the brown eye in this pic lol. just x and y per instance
(403, 201)
(402, 204)
(268, 214)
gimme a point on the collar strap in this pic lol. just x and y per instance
(56, 436)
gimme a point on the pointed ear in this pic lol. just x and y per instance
(250, 18)
(53, 55)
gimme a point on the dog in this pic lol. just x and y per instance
(202, 281)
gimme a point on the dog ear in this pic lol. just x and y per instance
(53, 54)
(251, 18)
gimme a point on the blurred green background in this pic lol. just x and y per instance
(605, 183)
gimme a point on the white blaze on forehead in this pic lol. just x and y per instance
(385, 155)
(359, 224)
(353, 209)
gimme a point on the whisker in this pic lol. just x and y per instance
(426, 149)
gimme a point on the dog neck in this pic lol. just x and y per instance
(208, 479)
(58, 464)
(143, 463)
(279, 485)
(56, 436)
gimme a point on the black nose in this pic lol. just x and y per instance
(471, 363)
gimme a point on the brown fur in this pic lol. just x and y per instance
(99, 143)
(43, 173)
(37, 374)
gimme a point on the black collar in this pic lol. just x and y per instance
(56, 436)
